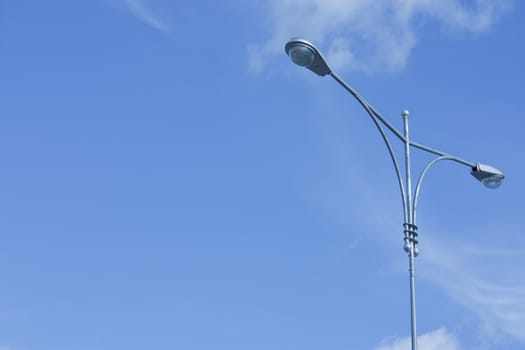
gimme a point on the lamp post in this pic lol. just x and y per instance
(305, 54)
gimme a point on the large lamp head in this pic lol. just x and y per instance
(306, 55)
(489, 176)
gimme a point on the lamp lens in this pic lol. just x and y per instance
(302, 55)
(492, 181)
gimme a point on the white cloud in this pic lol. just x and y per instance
(140, 10)
(440, 339)
(365, 35)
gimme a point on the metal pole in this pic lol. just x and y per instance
(412, 298)
(410, 234)
(319, 66)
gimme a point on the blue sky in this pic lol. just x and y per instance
(170, 180)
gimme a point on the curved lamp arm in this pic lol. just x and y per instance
(305, 54)
(376, 117)
(420, 181)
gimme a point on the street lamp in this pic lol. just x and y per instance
(305, 54)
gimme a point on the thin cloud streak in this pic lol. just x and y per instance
(488, 284)
(484, 280)
(140, 11)
(358, 35)
(483, 277)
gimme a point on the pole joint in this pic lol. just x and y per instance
(411, 241)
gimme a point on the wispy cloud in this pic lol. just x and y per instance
(361, 35)
(483, 274)
(487, 280)
(440, 339)
(484, 280)
(144, 14)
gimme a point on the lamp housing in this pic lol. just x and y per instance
(489, 176)
(305, 54)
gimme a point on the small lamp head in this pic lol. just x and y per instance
(305, 54)
(489, 176)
